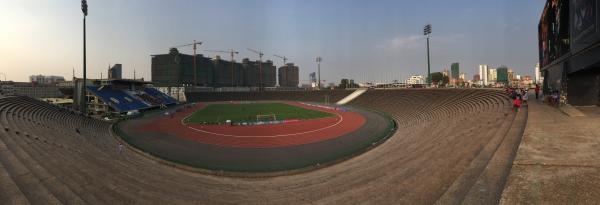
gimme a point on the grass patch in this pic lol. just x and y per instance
(219, 113)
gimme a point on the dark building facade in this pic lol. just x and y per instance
(227, 73)
(115, 72)
(288, 75)
(502, 74)
(269, 74)
(569, 50)
(177, 70)
(455, 71)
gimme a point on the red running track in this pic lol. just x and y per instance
(259, 136)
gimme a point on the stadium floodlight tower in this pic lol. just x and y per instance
(427, 32)
(83, 98)
(319, 59)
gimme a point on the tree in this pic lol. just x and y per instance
(439, 78)
(344, 83)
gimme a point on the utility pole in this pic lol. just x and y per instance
(195, 68)
(427, 32)
(84, 8)
(319, 59)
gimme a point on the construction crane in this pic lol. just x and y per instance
(282, 57)
(231, 52)
(194, 44)
(260, 55)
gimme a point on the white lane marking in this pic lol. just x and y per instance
(268, 136)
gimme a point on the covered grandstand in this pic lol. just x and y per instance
(122, 96)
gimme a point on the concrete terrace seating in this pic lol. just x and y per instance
(50, 155)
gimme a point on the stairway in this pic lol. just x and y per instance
(351, 97)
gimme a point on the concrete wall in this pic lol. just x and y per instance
(584, 87)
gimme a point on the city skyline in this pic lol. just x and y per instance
(355, 39)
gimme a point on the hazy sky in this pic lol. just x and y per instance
(363, 40)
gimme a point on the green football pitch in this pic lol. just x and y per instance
(219, 113)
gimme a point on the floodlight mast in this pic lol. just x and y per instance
(427, 32)
(83, 97)
(319, 59)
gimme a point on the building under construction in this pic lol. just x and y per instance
(288, 75)
(177, 70)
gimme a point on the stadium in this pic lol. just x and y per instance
(391, 146)
(215, 120)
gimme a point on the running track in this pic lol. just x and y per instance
(259, 136)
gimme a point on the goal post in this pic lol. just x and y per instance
(266, 117)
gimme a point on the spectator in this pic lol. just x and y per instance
(554, 101)
(516, 104)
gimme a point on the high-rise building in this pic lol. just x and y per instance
(483, 72)
(454, 69)
(177, 69)
(227, 75)
(492, 75)
(288, 75)
(567, 37)
(115, 72)
(502, 73)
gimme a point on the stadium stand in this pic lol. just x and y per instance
(50, 155)
(123, 100)
(163, 98)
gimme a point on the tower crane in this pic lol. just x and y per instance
(282, 57)
(260, 55)
(195, 46)
(231, 52)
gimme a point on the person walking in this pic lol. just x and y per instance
(525, 96)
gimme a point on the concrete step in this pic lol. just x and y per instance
(351, 97)
(490, 184)
(9, 191)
